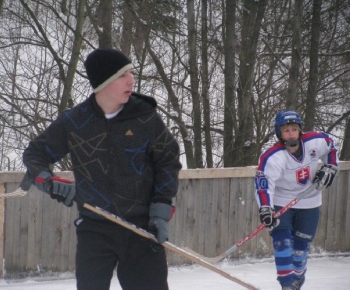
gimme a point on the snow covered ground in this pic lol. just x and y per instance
(325, 272)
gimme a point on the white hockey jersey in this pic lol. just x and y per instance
(281, 177)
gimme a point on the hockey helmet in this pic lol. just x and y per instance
(286, 117)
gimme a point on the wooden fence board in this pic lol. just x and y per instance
(320, 238)
(64, 237)
(210, 217)
(202, 216)
(12, 221)
(2, 228)
(331, 220)
(222, 192)
(56, 224)
(197, 217)
(346, 215)
(23, 230)
(233, 213)
(72, 239)
(188, 216)
(340, 206)
(35, 229)
(46, 232)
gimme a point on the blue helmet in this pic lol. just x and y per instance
(286, 117)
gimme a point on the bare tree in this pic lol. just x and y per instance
(230, 38)
(310, 107)
(293, 83)
(219, 70)
(194, 79)
(205, 85)
(244, 147)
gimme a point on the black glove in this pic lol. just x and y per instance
(266, 217)
(325, 176)
(63, 190)
(160, 213)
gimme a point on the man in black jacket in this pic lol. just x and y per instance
(125, 161)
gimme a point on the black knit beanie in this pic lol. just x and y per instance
(104, 65)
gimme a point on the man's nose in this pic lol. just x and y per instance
(131, 79)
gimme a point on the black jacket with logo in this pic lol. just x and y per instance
(119, 164)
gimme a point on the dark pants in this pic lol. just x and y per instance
(102, 247)
(301, 222)
(291, 243)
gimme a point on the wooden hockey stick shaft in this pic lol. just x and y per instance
(167, 245)
(255, 231)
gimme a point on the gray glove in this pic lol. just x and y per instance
(63, 190)
(43, 181)
(325, 176)
(160, 214)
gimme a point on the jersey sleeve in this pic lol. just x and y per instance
(268, 172)
(332, 156)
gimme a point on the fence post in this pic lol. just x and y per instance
(2, 223)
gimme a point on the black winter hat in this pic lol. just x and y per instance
(104, 65)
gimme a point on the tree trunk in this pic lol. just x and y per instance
(230, 76)
(309, 120)
(188, 146)
(293, 84)
(245, 146)
(127, 36)
(345, 151)
(194, 80)
(205, 86)
(72, 67)
(105, 9)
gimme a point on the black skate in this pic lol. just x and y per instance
(291, 287)
(298, 283)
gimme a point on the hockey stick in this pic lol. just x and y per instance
(26, 183)
(193, 257)
(252, 234)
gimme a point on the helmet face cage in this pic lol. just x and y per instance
(286, 117)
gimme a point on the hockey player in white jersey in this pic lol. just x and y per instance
(285, 170)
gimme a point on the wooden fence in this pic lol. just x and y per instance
(215, 209)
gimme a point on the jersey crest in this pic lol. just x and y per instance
(313, 154)
(303, 175)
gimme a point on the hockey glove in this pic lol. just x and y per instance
(266, 217)
(160, 214)
(325, 176)
(63, 190)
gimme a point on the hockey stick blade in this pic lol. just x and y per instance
(252, 234)
(191, 256)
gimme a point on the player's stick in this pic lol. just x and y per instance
(192, 256)
(26, 183)
(254, 232)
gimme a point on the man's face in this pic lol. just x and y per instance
(290, 132)
(121, 88)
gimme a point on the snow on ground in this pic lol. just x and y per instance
(325, 272)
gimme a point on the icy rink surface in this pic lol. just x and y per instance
(324, 273)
